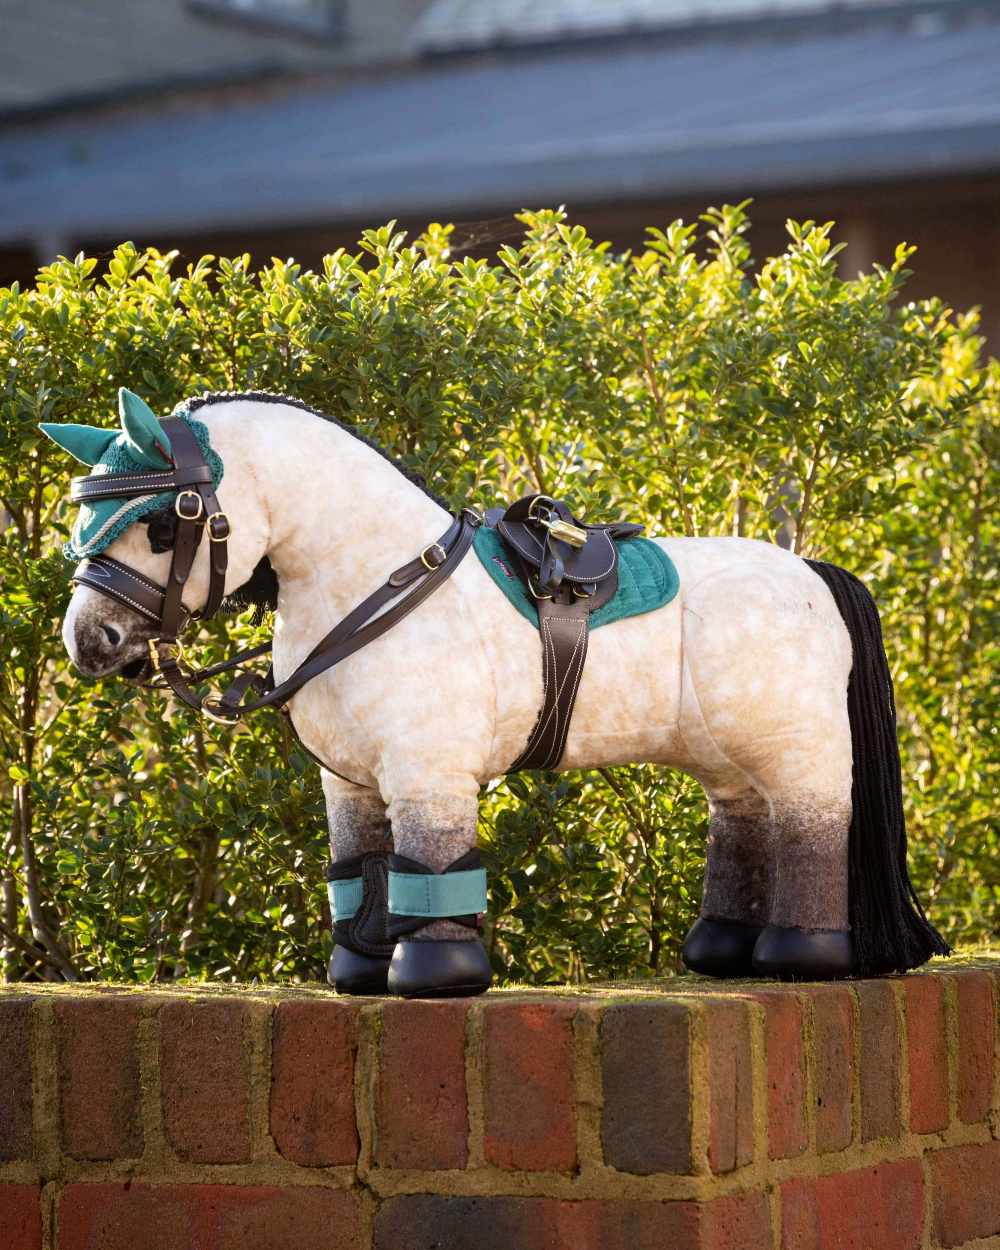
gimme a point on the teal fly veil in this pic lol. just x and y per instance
(140, 445)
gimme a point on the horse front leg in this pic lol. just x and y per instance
(437, 894)
(357, 880)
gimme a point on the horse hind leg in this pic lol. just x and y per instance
(808, 932)
(736, 898)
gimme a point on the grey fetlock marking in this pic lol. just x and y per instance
(810, 887)
(357, 823)
(435, 832)
(739, 863)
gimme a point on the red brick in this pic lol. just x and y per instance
(204, 1080)
(787, 1131)
(738, 1222)
(100, 1106)
(314, 1043)
(730, 1083)
(646, 1074)
(421, 1103)
(976, 1034)
(881, 1113)
(15, 1087)
(881, 1206)
(833, 1040)
(530, 1100)
(433, 1222)
(20, 1217)
(123, 1216)
(927, 1052)
(965, 1187)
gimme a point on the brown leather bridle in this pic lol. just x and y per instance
(198, 510)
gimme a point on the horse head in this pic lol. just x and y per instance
(126, 542)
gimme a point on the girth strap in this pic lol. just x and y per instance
(564, 629)
(571, 570)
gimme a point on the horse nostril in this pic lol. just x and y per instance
(112, 635)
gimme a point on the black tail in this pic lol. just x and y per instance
(889, 929)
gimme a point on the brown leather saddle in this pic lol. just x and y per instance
(570, 569)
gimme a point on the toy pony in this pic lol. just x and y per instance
(419, 654)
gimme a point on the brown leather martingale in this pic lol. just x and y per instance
(571, 570)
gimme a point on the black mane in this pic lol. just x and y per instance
(266, 397)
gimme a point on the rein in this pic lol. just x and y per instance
(198, 511)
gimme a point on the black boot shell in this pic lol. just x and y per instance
(451, 968)
(350, 972)
(721, 948)
(791, 954)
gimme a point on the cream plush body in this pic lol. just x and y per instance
(739, 681)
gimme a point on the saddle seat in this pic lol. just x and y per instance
(570, 569)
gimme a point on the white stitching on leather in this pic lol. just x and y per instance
(124, 571)
(118, 594)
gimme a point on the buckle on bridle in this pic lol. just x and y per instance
(156, 658)
(198, 500)
(425, 561)
(222, 520)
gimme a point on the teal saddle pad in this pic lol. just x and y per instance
(647, 578)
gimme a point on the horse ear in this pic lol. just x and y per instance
(86, 442)
(146, 438)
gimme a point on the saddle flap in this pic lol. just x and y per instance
(525, 527)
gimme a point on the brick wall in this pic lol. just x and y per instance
(789, 1118)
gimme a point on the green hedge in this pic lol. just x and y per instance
(681, 386)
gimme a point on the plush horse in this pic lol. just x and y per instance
(762, 675)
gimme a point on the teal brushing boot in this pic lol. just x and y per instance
(435, 968)
(358, 889)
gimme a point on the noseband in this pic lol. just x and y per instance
(198, 510)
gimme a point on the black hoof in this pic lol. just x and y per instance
(720, 948)
(351, 973)
(798, 955)
(446, 969)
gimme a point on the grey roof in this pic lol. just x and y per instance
(448, 25)
(715, 117)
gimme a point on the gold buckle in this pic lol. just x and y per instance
(214, 517)
(207, 706)
(194, 495)
(431, 568)
(154, 645)
(567, 533)
(536, 592)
